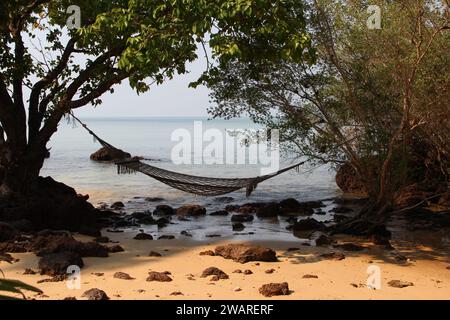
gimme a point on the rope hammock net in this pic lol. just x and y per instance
(204, 186)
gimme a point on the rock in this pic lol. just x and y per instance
(245, 253)
(242, 218)
(162, 222)
(348, 181)
(102, 240)
(270, 271)
(154, 199)
(207, 253)
(249, 208)
(62, 243)
(274, 289)
(186, 234)
(339, 218)
(237, 271)
(310, 276)
(191, 210)
(58, 278)
(213, 271)
(70, 299)
(223, 199)
(333, 256)
(349, 247)
(143, 236)
(320, 239)
(118, 205)
(219, 213)
(143, 217)
(237, 289)
(212, 236)
(400, 284)
(95, 294)
(115, 249)
(292, 249)
(98, 274)
(293, 207)
(154, 254)
(158, 276)
(237, 226)
(177, 293)
(104, 154)
(89, 231)
(341, 210)
(123, 276)
(164, 210)
(54, 264)
(248, 272)
(166, 237)
(29, 272)
(269, 210)
(7, 232)
(303, 228)
(232, 208)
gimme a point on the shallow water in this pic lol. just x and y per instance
(151, 138)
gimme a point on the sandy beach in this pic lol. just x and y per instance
(309, 276)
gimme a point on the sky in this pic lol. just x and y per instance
(171, 99)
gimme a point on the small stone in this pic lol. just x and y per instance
(248, 272)
(333, 256)
(216, 272)
(143, 236)
(166, 237)
(400, 284)
(270, 271)
(154, 254)
(115, 249)
(238, 226)
(98, 274)
(207, 253)
(310, 276)
(70, 298)
(123, 276)
(293, 249)
(29, 272)
(158, 276)
(237, 289)
(237, 271)
(274, 289)
(95, 294)
(177, 293)
(102, 239)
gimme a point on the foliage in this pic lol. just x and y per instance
(15, 287)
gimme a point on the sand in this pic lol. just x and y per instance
(345, 279)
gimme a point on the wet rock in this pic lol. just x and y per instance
(213, 271)
(245, 253)
(62, 243)
(242, 218)
(23, 225)
(166, 237)
(400, 284)
(232, 208)
(162, 222)
(115, 249)
(154, 199)
(293, 207)
(219, 213)
(143, 217)
(269, 210)
(102, 240)
(212, 236)
(350, 247)
(7, 232)
(224, 199)
(104, 154)
(191, 210)
(333, 256)
(320, 238)
(95, 294)
(309, 224)
(154, 254)
(186, 234)
(274, 289)
(143, 236)
(123, 276)
(207, 253)
(310, 276)
(158, 276)
(237, 226)
(164, 210)
(339, 218)
(341, 210)
(118, 205)
(57, 263)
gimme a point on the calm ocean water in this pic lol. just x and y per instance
(151, 138)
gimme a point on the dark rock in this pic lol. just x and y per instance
(274, 289)
(320, 238)
(164, 210)
(212, 236)
(191, 210)
(158, 276)
(102, 239)
(333, 256)
(123, 276)
(177, 293)
(310, 276)
(143, 236)
(117, 205)
(270, 271)
(248, 272)
(54, 244)
(219, 213)
(293, 207)
(339, 218)
(154, 199)
(6, 257)
(162, 222)
(104, 154)
(292, 249)
(242, 218)
(7, 232)
(154, 254)
(250, 208)
(58, 278)
(115, 249)
(29, 272)
(57, 263)
(341, 210)
(207, 253)
(237, 226)
(245, 253)
(95, 294)
(400, 284)
(166, 237)
(213, 271)
(70, 299)
(309, 224)
(23, 225)
(237, 271)
(143, 217)
(269, 210)
(232, 208)
(349, 247)
(186, 234)
(89, 231)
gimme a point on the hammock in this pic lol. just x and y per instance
(204, 186)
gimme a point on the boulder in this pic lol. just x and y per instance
(274, 289)
(213, 271)
(238, 226)
(104, 154)
(309, 224)
(62, 243)
(164, 210)
(54, 264)
(242, 218)
(269, 210)
(191, 210)
(95, 294)
(219, 213)
(158, 276)
(243, 253)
